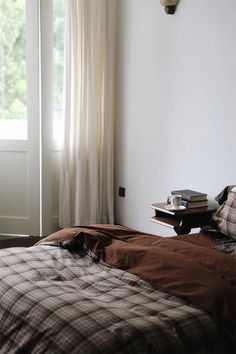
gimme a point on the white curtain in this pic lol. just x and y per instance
(86, 187)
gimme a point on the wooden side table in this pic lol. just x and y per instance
(182, 221)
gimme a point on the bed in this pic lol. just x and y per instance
(111, 289)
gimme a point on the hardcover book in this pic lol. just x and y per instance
(197, 204)
(189, 194)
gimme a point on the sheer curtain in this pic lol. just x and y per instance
(86, 187)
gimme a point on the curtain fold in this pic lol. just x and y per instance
(86, 185)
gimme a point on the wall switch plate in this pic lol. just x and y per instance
(121, 192)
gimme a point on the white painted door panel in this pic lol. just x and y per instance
(19, 198)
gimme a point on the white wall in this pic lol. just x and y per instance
(175, 124)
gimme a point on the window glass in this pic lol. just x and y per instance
(58, 67)
(13, 100)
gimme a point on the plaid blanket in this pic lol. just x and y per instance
(57, 301)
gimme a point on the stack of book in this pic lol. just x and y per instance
(192, 199)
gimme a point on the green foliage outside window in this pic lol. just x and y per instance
(13, 90)
(12, 59)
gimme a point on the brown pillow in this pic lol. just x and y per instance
(61, 235)
(225, 216)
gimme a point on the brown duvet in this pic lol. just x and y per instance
(184, 266)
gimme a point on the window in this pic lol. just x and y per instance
(13, 101)
(58, 67)
(13, 66)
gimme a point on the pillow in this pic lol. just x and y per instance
(221, 198)
(225, 216)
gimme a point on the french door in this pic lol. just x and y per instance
(29, 156)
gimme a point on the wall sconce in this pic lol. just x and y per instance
(170, 6)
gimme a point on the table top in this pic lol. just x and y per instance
(187, 211)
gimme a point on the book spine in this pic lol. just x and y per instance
(191, 205)
(195, 199)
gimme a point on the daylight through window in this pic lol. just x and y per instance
(13, 100)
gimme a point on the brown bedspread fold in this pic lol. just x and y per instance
(184, 266)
